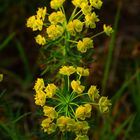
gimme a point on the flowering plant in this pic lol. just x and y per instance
(68, 106)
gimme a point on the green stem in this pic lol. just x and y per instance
(71, 17)
(97, 34)
(79, 95)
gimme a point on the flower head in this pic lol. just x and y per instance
(55, 31)
(91, 19)
(55, 4)
(65, 123)
(81, 128)
(50, 90)
(86, 9)
(83, 111)
(49, 112)
(39, 85)
(93, 93)
(82, 137)
(41, 13)
(48, 126)
(77, 3)
(40, 40)
(104, 104)
(87, 43)
(82, 72)
(96, 3)
(40, 98)
(67, 70)
(77, 87)
(56, 17)
(108, 30)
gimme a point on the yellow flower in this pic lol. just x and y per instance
(56, 17)
(55, 31)
(1, 77)
(82, 137)
(48, 126)
(67, 70)
(41, 13)
(81, 128)
(93, 93)
(50, 90)
(40, 98)
(77, 87)
(40, 40)
(77, 3)
(90, 20)
(96, 3)
(39, 85)
(108, 30)
(104, 104)
(74, 26)
(82, 72)
(49, 112)
(35, 23)
(83, 111)
(82, 46)
(55, 4)
(86, 9)
(65, 123)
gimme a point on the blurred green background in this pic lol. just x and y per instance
(116, 71)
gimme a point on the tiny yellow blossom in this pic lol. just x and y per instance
(96, 3)
(50, 90)
(48, 126)
(39, 84)
(74, 26)
(87, 43)
(49, 112)
(93, 93)
(82, 72)
(1, 77)
(67, 70)
(104, 104)
(55, 31)
(83, 112)
(41, 13)
(65, 123)
(108, 30)
(55, 4)
(40, 40)
(91, 19)
(86, 9)
(40, 98)
(56, 17)
(77, 3)
(77, 87)
(82, 137)
(81, 128)
(35, 23)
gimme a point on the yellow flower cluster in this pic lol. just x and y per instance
(43, 92)
(96, 3)
(56, 17)
(87, 43)
(36, 22)
(40, 40)
(55, 4)
(67, 70)
(93, 93)
(83, 111)
(104, 104)
(54, 31)
(77, 87)
(74, 26)
(108, 30)
(82, 72)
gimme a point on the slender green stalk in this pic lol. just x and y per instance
(110, 53)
